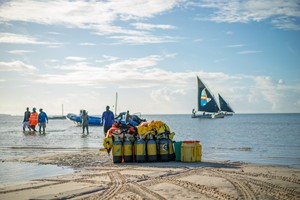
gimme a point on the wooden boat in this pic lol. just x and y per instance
(207, 104)
(225, 107)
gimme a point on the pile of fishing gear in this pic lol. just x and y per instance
(142, 142)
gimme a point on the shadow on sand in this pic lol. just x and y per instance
(173, 164)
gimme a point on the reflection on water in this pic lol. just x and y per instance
(234, 149)
(12, 172)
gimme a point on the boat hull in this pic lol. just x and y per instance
(57, 117)
(209, 116)
(93, 120)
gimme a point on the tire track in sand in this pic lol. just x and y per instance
(116, 185)
(119, 184)
(211, 192)
(143, 192)
(268, 188)
(258, 186)
(244, 189)
(55, 182)
(269, 176)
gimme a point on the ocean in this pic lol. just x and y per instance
(254, 138)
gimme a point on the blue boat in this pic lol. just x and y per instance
(133, 119)
(93, 120)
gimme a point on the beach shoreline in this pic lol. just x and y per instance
(95, 176)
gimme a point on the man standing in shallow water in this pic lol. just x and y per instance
(43, 118)
(85, 121)
(33, 119)
(26, 120)
(107, 120)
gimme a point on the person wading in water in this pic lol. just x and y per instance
(85, 122)
(26, 120)
(33, 119)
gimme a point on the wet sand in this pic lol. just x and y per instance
(96, 177)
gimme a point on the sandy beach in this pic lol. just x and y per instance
(96, 177)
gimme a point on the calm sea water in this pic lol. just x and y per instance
(256, 138)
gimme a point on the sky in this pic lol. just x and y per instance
(80, 54)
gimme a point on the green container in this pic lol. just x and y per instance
(177, 146)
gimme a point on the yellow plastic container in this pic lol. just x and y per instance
(191, 151)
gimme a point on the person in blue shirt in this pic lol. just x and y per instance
(43, 118)
(107, 120)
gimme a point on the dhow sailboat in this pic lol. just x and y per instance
(207, 104)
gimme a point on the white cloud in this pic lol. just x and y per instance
(87, 44)
(249, 52)
(140, 9)
(281, 81)
(122, 73)
(269, 90)
(53, 60)
(74, 66)
(229, 33)
(198, 40)
(144, 39)
(219, 60)
(18, 66)
(165, 95)
(281, 12)
(235, 45)
(167, 87)
(113, 30)
(145, 26)
(20, 52)
(171, 55)
(107, 58)
(135, 64)
(53, 46)
(280, 96)
(75, 58)
(286, 23)
(54, 33)
(86, 14)
(21, 39)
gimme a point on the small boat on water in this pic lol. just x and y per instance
(62, 116)
(207, 103)
(133, 119)
(93, 120)
(57, 117)
(225, 107)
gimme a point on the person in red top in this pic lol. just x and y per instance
(33, 119)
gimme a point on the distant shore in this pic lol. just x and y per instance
(97, 177)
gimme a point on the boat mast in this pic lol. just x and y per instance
(62, 109)
(116, 104)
